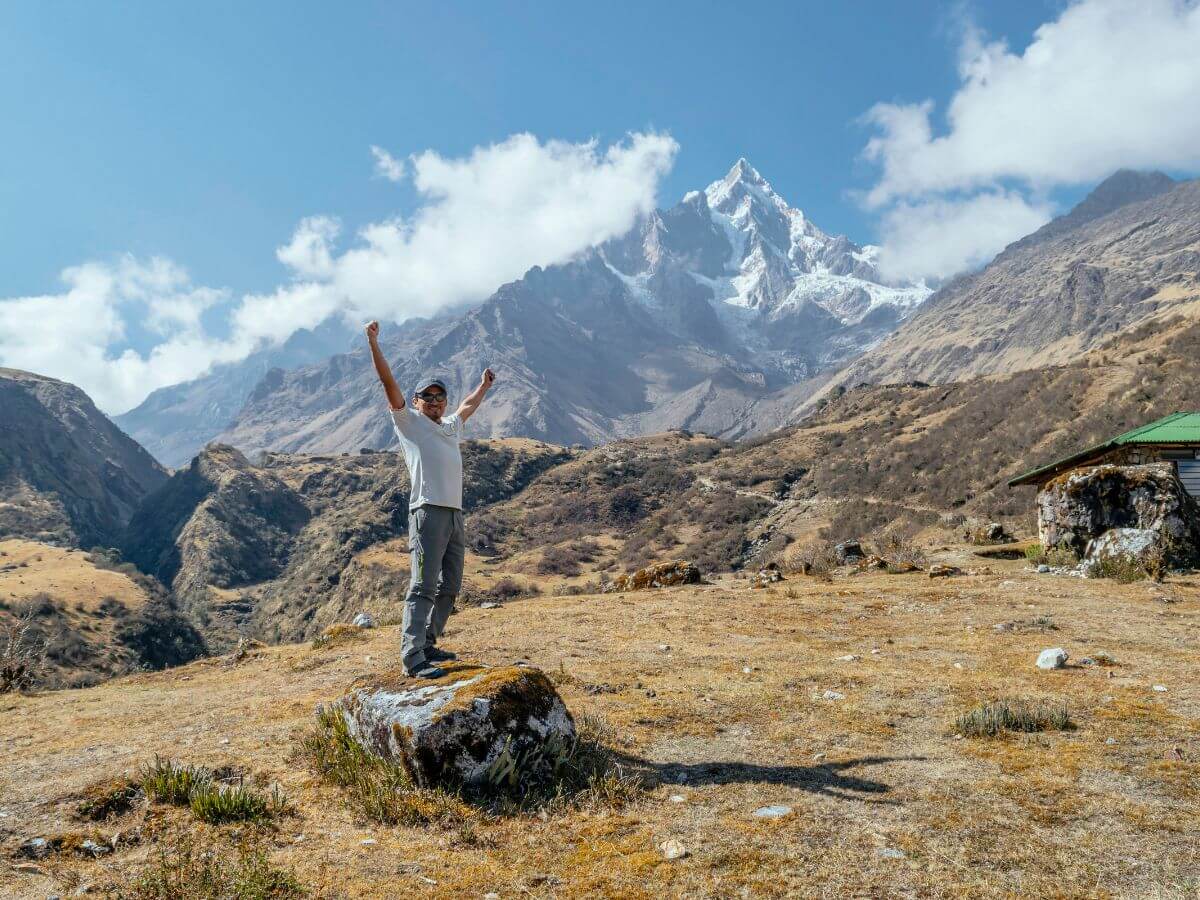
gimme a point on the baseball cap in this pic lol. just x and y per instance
(427, 383)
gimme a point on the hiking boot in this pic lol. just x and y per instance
(425, 670)
(436, 654)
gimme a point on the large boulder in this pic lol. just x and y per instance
(474, 727)
(1077, 508)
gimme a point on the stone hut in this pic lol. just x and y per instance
(1137, 495)
(1174, 439)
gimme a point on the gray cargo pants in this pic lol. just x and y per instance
(437, 546)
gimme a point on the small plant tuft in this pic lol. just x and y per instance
(190, 872)
(166, 781)
(992, 718)
(217, 805)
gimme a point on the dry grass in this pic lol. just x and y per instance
(1021, 814)
(998, 716)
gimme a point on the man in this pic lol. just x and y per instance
(436, 540)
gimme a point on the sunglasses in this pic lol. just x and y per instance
(433, 398)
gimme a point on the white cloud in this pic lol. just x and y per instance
(943, 236)
(1108, 84)
(484, 219)
(386, 165)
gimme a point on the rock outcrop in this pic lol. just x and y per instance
(661, 575)
(1146, 506)
(475, 727)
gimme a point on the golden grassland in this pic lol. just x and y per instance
(729, 717)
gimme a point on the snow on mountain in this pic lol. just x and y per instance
(781, 259)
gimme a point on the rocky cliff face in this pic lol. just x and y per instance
(270, 550)
(68, 475)
(1128, 252)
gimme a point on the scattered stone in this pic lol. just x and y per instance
(1054, 658)
(998, 534)
(767, 575)
(1161, 688)
(491, 895)
(90, 846)
(848, 552)
(818, 756)
(890, 853)
(35, 848)
(1103, 658)
(1110, 741)
(874, 562)
(468, 727)
(746, 670)
(489, 605)
(368, 842)
(678, 798)
(1043, 569)
(875, 651)
(833, 695)
(664, 647)
(673, 850)
(772, 812)
(849, 657)
(364, 620)
(661, 575)
(942, 571)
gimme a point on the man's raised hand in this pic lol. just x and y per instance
(372, 329)
(488, 379)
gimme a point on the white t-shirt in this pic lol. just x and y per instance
(432, 456)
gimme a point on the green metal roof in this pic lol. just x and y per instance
(1177, 428)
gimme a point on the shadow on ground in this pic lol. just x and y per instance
(831, 779)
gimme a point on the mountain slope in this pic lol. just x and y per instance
(1056, 294)
(68, 475)
(175, 422)
(699, 315)
(270, 550)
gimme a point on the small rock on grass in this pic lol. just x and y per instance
(673, 850)
(1160, 688)
(678, 798)
(890, 853)
(489, 605)
(833, 695)
(772, 812)
(1054, 658)
(364, 620)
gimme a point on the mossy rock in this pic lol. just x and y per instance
(475, 727)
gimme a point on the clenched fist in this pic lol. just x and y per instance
(372, 329)
(488, 379)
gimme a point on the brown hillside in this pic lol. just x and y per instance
(96, 618)
(1051, 297)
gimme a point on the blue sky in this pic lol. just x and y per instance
(204, 131)
(183, 184)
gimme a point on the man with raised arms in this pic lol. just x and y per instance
(436, 540)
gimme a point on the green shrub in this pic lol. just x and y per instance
(166, 781)
(992, 718)
(237, 803)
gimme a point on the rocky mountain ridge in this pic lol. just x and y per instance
(727, 301)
